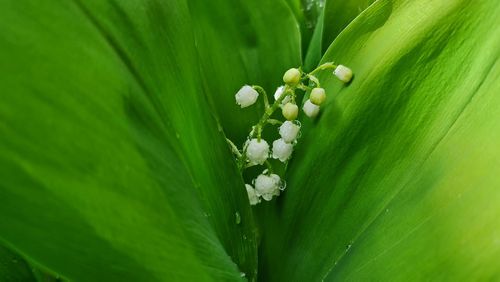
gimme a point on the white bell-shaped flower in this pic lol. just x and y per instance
(289, 131)
(343, 73)
(246, 96)
(267, 186)
(257, 151)
(252, 195)
(279, 91)
(310, 109)
(282, 150)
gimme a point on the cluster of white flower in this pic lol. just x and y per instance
(267, 185)
(256, 150)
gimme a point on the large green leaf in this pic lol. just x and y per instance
(112, 166)
(247, 45)
(398, 179)
(337, 15)
(13, 268)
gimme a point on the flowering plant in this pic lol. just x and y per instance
(123, 156)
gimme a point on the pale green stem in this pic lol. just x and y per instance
(234, 149)
(269, 167)
(261, 90)
(274, 121)
(324, 66)
(314, 79)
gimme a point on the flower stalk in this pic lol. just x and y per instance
(256, 151)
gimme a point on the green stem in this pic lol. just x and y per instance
(324, 66)
(261, 90)
(269, 166)
(313, 79)
(234, 149)
(257, 129)
(274, 121)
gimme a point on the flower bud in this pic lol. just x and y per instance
(257, 151)
(252, 195)
(317, 96)
(267, 186)
(310, 109)
(343, 73)
(292, 77)
(289, 131)
(290, 111)
(282, 150)
(246, 96)
(279, 91)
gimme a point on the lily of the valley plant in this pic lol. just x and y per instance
(140, 140)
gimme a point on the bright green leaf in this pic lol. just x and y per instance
(339, 14)
(112, 166)
(398, 179)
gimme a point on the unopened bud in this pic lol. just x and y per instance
(290, 111)
(317, 96)
(292, 76)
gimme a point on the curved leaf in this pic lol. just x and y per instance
(112, 167)
(397, 180)
(337, 16)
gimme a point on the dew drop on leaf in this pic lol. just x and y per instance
(237, 218)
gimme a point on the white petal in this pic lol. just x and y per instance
(278, 93)
(266, 185)
(310, 109)
(246, 96)
(289, 131)
(343, 73)
(282, 150)
(257, 151)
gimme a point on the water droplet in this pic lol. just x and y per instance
(386, 210)
(348, 247)
(245, 237)
(242, 274)
(14, 260)
(237, 218)
(177, 135)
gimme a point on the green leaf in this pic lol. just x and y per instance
(306, 13)
(249, 44)
(112, 166)
(338, 15)
(398, 179)
(314, 52)
(13, 268)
